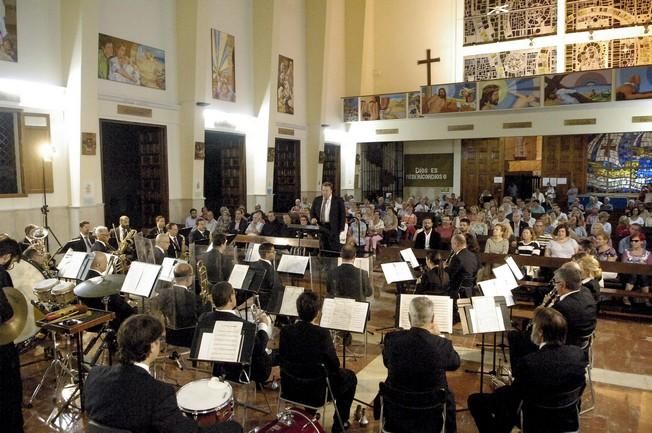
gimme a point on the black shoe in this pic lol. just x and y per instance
(337, 428)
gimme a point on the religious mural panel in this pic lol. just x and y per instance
(513, 94)
(383, 107)
(285, 85)
(616, 53)
(583, 15)
(633, 83)
(414, 105)
(510, 64)
(620, 162)
(577, 88)
(351, 109)
(8, 31)
(130, 62)
(223, 65)
(488, 21)
(449, 98)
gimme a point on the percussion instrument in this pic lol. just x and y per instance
(99, 287)
(207, 401)
(62, 293)
(25, 275)
(42, 290)
(292, 420)
(12, 328)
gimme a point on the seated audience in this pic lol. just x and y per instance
(445, 230)
(625, 243)
(636, 253)
(527, 246)
(498, 243)
(603, 251)
(408, 225)
(391, 224)
(375, 229)
(272, 227)
(427, 238)
(191, 220)
(239, 223)
(562, 245)
(256, 225)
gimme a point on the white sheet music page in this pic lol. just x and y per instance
(514, 268)
(344, 314)
(71, 264)
(443, 308)
(205, 346)
(485, 316)
(504, 274)
(363, 263)
(167, 269)
(358, 318)
(226, 341)
(496, 287)
(238, 275)
(396, 271)
(289, 304)
(408, 256)
(140, 279)
(252, 253)
(293, 264)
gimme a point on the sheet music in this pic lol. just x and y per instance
(289, 304)
(252, 253)
(167, 269)
(397, 271)
(443, 308)
(238, 275)
(140, 279)
(205, 346)
(504, 274)
(72, 264)
(223, 344)
(344, 314)
(514, 268)
(293, 264)
(497, 287)
(363, 263)
(408, 256)
(485, 315)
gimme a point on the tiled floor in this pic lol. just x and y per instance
(622, 378)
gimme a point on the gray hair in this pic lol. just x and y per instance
(570, 274)
(161, 237)
(421, 311)
(99, 230)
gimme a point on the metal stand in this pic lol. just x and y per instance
(45, 210)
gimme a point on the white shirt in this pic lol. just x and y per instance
(562, 297)
(87, 242)
(191, 222)
(427, 235)
(259, 326)
(327, 210)
(143, 366)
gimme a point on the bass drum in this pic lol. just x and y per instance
(292, 420)
(25, 275)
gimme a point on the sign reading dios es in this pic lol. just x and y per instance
(429, 170)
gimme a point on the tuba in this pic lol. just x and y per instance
(37, 237)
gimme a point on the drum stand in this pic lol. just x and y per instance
(107, 338)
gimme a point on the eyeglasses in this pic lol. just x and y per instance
(635, 240)
(555, 282)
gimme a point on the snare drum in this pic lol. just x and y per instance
(62, 293)
(207, 401)
(293, 420)
(42, 289)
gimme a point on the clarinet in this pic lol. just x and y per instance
(550, 298)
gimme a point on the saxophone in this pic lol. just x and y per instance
(184, 249)
(205, 293)
(123, 263)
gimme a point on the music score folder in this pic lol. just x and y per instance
(140, 279)
(483, 314)
(344, 314)
(229, 341)
(397, 271)
(443, 308)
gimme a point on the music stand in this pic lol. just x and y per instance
(344, 314)
(47, 155)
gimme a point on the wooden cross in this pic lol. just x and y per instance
(427, 61)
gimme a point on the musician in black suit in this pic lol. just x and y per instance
(159, 229)
(271, 288)
(427, 239)
(218, 265)
(239, 223)
(463, 265)
(84, 243)
(328, 211)
(273, 227)
(176, 241)
(347, 281)
(161, 247)
(11, 384)
(417, 361)
(101, 243)
(304, 345)
(126, 396)
(224, 299)
(551, 369)
(575, 303)
(200, 235)
(434, 279)
(118, 234)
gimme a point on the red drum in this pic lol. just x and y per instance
(293, 420)
(207, 401)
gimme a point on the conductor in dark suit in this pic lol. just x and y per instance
(328, 211)
(463, 265)
(126, 396)
(347, 281)
(218, 265)
(161, 247)
(83, 243)
(304, 345)
(417, 360)
(224, 299)
(553, 368)
(271, 287)
(427, 239)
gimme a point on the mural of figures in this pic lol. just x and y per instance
(223, 65)
(448, 98)
(370, 108)
(8, 31)
(510, 64)
(514, 94)
(285, 85)
(633, 83)
(131, 63)
(582, 15)
(577, 88)
(393, 106)
(414, 105)
(351, 109)
(620, 162)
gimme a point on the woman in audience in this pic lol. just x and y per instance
(549, 227)
(591, 273)
(603, 218)
(636, 218)
(498, 243)
(637, 254)
(446, 229)
(375, 229)
(562, 245)
(478, 224)
(434, 281)
(408, 224)
(527, 246)
(358, 230)
(622, 229)
(461, 213)
(391, 224)
(577, 227)
(603, 251)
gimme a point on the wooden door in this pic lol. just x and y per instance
(225, 182)
(482, 160)
(564, 156)
(331, 171)
(287, 174)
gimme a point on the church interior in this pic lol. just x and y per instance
(204, 188)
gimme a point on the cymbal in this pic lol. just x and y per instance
(100, 287)
(12, 328)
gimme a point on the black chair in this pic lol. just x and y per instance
(307, 386)
(96, 427)
(587, 346)
(552, 413)
(412, 412)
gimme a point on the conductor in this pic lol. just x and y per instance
(328, 211)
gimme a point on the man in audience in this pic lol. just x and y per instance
(607, 206)
(527, 217)
(191, 220)
(304, 345)
(126, 396)
(553, 368)
(200, 235)
(417, 360)
(462, 268)
(517, 224)
(211, 222)
(218, 265)
(83, 243)
(273, 227)
(347, 281)
(239, 224)
(427, 238)
(540, 236)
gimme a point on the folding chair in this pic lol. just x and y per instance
(552, 408)
(412, 412)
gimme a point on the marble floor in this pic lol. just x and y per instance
(622, 378)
